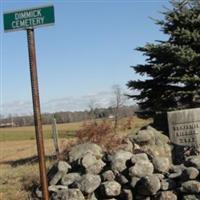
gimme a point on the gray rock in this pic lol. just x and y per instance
(56, 188)
(127, 194)
(75, 194)
(176, 171)
(91, 197)
(134, 181)
(139, 157)
(89, 183)
(177, 168)
(167, 195)
(157, 144)
(161, 164)
(191, 197)
(148, 185)
(192, 187)
(62, 168)
(121, 179)
(144, 137)
(127, 145)
(111, 188)
(141, 168)
(79, 151)
(61, 194)
(72, 194)
(160, 138)
(70, 178)
(193, 161)
(160, 176)
(38, 193)
(92, 164)
(175, 175)
(119, 159)
(168, 184)
(108, 175)
(190, 173)
(128, 176)
(57, 177)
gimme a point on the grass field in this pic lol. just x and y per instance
(18, 166)
(28, 133)
(64, 130)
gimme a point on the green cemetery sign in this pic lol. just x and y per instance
(29, 18)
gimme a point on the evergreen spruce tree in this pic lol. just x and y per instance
(172, 67)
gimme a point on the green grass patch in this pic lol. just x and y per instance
(28, 133)
(64, 130)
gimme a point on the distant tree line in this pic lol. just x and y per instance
(67, 116)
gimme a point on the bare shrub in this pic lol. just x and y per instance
(128, 124)
(100, 133)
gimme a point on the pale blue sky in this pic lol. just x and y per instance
(89, 49)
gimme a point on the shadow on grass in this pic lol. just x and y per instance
(29, 160)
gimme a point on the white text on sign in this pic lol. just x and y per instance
(28, 19)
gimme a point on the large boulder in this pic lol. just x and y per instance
(108, 175)
(141, 169)
(89, 183)
(148, 185)
(79, 151)
(190, 173)
(161, 164)
(92, 164)
(111, 188)
(193, 161)
(167, 195)
(152, 141)
(192, 187)
(70, 178)
(75, 194)
(57, 172)
(139, 157)
(144, 137)
(72, 194)
(119, 160)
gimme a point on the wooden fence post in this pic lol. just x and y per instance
(55, 138)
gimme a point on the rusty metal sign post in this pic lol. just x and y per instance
(26, 20)
(37, 113)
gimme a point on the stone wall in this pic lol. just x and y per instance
(141, 169)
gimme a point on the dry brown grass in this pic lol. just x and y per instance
(19, 168)
(12, 187)
(15, 174)
(14, 150)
